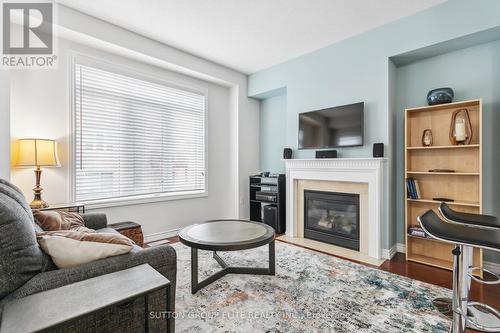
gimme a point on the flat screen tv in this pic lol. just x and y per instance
(340, 126)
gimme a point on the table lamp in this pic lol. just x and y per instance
(37, 153)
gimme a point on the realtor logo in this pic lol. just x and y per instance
(27, 35)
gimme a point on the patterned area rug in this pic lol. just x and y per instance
(311, 292)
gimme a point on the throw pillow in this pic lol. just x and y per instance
(54, 220)
(70, 248)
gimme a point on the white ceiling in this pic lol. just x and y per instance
(249, 35)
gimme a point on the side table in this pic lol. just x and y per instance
(131, 230)
(69, 207)
(49, 309)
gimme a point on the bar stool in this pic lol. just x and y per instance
(479, 221)
(465, 236)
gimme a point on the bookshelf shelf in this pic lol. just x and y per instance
(444, 147)
(431, 261)
(464, 185)
(453, 203)
(443, 173)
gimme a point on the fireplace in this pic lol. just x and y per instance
(332, 217)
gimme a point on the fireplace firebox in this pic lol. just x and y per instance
(332, 217)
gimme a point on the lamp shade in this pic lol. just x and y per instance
(37, 152)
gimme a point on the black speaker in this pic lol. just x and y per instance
(287, 153)
(271, 217)
(378, 150)
(326, 154)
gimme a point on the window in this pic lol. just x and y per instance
(135, 137)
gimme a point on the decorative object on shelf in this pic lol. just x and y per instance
(441, 170)
(443, 199)
(287, 153)
(440, 96)
(37, 153)
(427, 138)
(460, 127)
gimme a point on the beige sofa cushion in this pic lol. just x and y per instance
(69, 248)
(53, 220)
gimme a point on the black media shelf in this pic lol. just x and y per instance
(262, 185)
(268, 201)
(262, 201)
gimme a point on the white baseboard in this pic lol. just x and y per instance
(492, 266)
(161, 235)
(389, 253)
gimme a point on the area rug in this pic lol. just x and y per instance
(311, 292)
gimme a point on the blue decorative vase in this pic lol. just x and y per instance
(440, 96)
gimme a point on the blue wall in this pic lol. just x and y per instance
(272, 133)
(358, 69)
(472, 73)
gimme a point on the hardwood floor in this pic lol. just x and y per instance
(437, 276)
(479, 292)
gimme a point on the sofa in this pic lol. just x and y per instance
(25, 269)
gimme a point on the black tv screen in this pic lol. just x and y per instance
(340, 126)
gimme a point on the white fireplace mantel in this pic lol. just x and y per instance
(369, 171)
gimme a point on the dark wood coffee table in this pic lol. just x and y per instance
(227, 235)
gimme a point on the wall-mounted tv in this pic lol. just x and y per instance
(340, 126)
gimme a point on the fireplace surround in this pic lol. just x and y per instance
(363, 176)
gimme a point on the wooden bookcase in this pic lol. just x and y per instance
(464, 185)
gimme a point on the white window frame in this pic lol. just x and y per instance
(127, 71)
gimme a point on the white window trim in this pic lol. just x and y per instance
(126, 70)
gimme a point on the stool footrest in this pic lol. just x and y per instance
(481, 317)
(483, 270)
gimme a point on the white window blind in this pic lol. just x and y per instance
(136, 138)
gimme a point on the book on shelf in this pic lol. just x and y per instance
(408, 189)
(417, 188)
(413, 191)
(418, 232)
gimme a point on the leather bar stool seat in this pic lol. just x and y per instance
(467, 218)
(459, 233)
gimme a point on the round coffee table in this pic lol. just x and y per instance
(227, 235)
